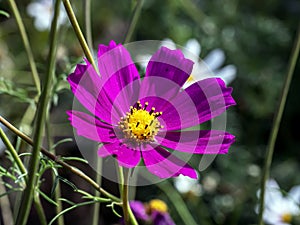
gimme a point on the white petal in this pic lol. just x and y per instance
(271, 217)
(184, 184)
(192, 50)
(227, 73)
(143, 60)
(215, 59)
(193, 46)
(167, 42)
(42, 24)
(187, 84)
(295, 194)
(34, 9)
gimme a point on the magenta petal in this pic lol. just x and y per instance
(91, 127)
(170, 64)
(197, 142)
(200, 102)
(163, 164)
(86, 85)
(112, 59)
(160, 218)
(117, 71)
(211, 98)
(139, 210)
(103, 48)
(126, 157)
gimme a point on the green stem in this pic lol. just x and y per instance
(129, 218)
(88, 33)
(178, 203)
(88, 23)
(120, 175)
(22, 168)
(96, 207)
(57, 193)
(39, 209)
(276, 124)
(78, 32)
(12, 151)
(24, 37)
(41, 114)
(5, 207)
(134, 20)
(54, 158)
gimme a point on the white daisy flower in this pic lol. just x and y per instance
(42, 11)
(185, 185)
(280, 209)
(210, 66)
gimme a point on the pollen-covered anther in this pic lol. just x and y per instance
(140, 125)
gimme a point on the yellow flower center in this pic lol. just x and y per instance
(190, 79)
(286, 218)
(140, 125)
(158, 205)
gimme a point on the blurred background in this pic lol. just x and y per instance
(254, 36)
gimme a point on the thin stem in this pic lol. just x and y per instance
(5, 208)
(54, 158)
(57, 193)
(13, 152)
(41, 114)
(129, 218)
(134, 20)
(24, 37)
(23, 170)
(88, 34)
(78, 32)
(96, 207)
(120, 175)
(88, 23)
(178, 203)
(39, 209)
(276, 124)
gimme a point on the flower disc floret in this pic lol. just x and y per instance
(158, 205)
(286, 218)
(140, 125)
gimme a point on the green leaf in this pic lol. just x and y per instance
(69, 209)
(6, 14)
(61, 142)
(10, 191)
(47, 198)
(74, 159)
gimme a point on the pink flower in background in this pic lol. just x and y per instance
(155, 212)
(138, 118)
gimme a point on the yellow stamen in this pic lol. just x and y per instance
(286, 218)
(139, 124)
(190, 79)
(158, 205)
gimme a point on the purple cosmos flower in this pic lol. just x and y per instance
(155, 212)
(138, 118)
(139, 210)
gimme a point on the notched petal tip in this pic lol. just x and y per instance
(163, 164)
(170, 64)
(105, 48)
(77, 74)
